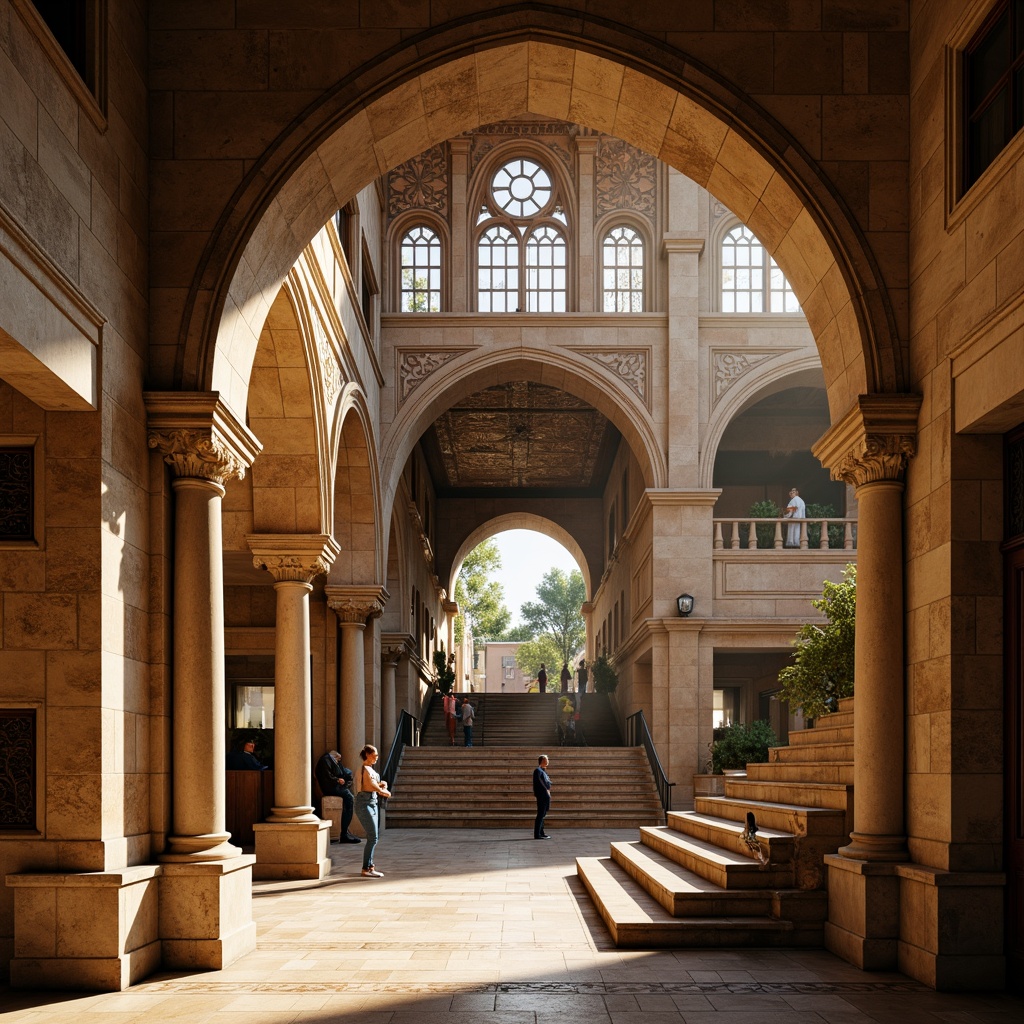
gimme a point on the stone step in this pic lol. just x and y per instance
(796, 819)
(723, 867)
(727, 834)
(812, 752)
(523, 818)
(637, 921)
(834, 795)
(821, 734)
(838, 772)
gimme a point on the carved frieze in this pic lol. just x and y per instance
(415, 367)
(628, 364)
(420, 183)
(728, 367)
(625, 178)
(555, 136)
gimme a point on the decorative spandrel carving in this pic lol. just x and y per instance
(719, 210)
(197, 453)
(1015, 488)
(17, 493)
(728, 367)
(630, 365)
(420, 183)
(626, 179)
(329, 369)
(18, 769)
(415, 367)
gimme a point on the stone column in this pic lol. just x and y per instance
(586, 254)
(461, 217)
(205, 898)
(354, 605)
(390, 656)
(293, 842)
(869, 448)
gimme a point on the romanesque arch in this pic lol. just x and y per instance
(519, 521)
(443, 84)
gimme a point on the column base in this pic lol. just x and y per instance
(951, 928)
(94, 930)
(188, 849)
(863, 912)
(876, 849)
(206, 913)
(292, 849)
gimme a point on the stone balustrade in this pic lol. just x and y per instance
(741, 534)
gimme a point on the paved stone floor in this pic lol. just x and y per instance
(491, 927)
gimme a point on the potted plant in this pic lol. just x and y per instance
(605, 676)
(444, 670)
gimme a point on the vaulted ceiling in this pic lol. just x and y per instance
(520, 435)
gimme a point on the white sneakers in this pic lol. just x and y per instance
(372, 873)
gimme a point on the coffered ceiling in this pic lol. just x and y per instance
(520, 435)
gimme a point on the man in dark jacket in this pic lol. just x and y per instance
(334, 779)
(242, 758)
(542, 791)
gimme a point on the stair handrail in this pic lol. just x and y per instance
(407, 733)
(638, 735)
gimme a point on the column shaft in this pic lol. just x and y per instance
(292, 705)
(353, 696)
(199, 720)
(388, 713)
(878, 741)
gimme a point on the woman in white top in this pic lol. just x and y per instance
(370, 786)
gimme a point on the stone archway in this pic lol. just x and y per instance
(697, 124)
(519, 521)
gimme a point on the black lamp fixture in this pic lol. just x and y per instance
(684, 602)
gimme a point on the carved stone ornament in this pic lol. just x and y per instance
(328, 362)
(298, 568)
(877, 457)
(415, 367)
(728, 367)
(630, 365)
(391, 654)
(626, 179)
(420, 183)
(417, 524)
(356, 604)
(197, 453)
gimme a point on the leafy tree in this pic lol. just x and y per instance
(481, 598)
(557, 613)
(739, 745)
(822, 669)
(541, 651)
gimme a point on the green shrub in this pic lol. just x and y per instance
(740, 745)
(605, 676)
(444, 670)
(766, 509)
(835, 530)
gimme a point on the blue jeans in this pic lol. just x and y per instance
(366, 812)
(467, 732)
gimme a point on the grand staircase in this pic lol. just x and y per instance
(697, 881)
(490, 785)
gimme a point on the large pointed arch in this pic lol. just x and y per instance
(442, 83)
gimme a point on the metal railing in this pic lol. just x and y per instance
(745, 534)
(637, 735)
(407, 733)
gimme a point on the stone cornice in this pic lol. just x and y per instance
(296, 557)
(682, 244)
(873, 441)
(680, 496)
(198, 436)
(356, 604)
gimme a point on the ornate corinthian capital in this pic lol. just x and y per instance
(356, 604)
(298, 557)
(873, 441)
(198, 436)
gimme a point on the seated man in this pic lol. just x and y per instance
(334, 779)
(243, 758)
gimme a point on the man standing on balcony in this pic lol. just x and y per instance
(796, 509)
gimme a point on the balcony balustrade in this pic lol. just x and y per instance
(766, 534)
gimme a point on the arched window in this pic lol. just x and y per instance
(522, 252)
(622, 271)
(421, 271)
(752, 282)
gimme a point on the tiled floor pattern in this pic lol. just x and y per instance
(491, 927)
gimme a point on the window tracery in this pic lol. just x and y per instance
(622, 270)
(751, 281)
(420, 255)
